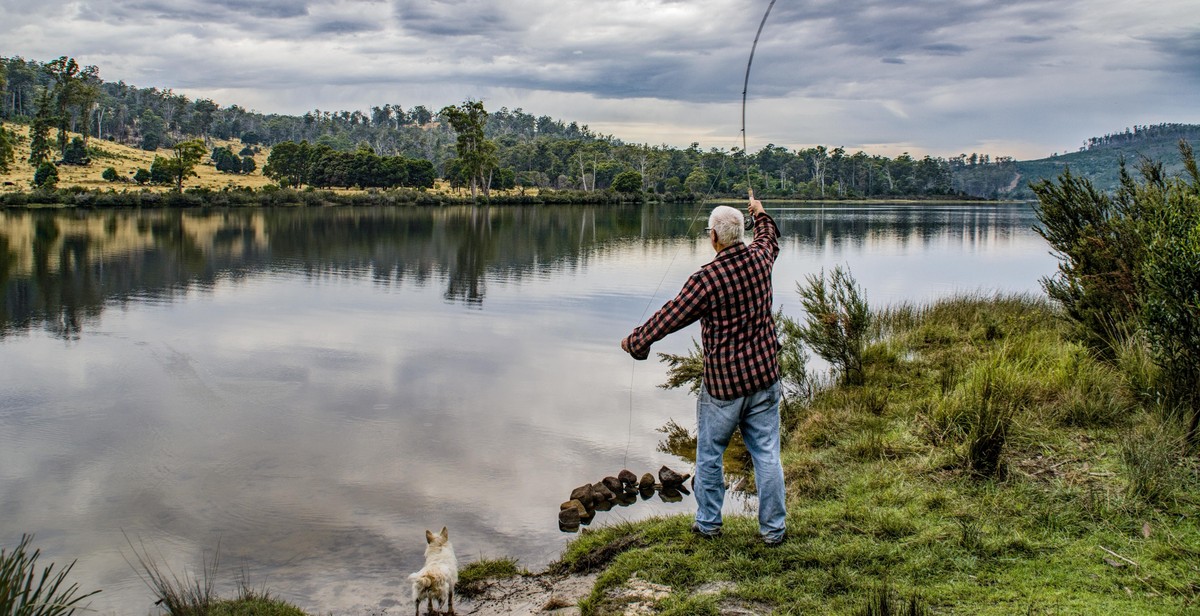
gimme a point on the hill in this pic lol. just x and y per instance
(1098, 161)
(126, 160)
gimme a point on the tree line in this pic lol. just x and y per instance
(518, 148)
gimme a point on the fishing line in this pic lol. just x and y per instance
(695, 215)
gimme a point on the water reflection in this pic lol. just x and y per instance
(58, 271)
(314, 388)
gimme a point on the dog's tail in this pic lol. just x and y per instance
(421, 581)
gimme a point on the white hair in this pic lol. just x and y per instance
(728, 223)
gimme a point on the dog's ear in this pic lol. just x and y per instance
(445, 533)
(428, 537)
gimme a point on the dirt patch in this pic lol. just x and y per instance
(531, 594)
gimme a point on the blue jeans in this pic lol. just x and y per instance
(758, 417)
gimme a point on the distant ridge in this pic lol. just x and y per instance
(1099, 160)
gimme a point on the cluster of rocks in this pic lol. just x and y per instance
(622, 490)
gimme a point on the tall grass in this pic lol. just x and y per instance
(26, 592)
(188, 595)
(1149, 456)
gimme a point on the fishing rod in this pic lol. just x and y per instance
(746, 88)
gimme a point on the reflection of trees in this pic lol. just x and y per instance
(58, 270)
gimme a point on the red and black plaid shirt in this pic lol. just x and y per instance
(731, 296)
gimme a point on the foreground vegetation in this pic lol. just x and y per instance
(1091, 508)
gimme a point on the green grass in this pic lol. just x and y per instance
(27, 589)
(473, 576)
(1092, 507)
(193, 595)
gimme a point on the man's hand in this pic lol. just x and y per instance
(756, 207)
(625, 344)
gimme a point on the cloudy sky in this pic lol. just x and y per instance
(1008, 77)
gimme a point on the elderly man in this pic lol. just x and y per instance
(731, 296)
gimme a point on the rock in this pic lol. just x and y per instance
(601, 492)
(613, 484)
(626, 499)
(583, 494)
(604, 505)
(628, 479)
(576, 505)
(568, 517)
(670, 478)
(647, 492)
(647, 482)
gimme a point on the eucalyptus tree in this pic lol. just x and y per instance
(476, 154)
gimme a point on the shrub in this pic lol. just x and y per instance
(1171, 277)
(110, 175)
(26, 592)
(837, 323)
(76, 153)
(1097, 250)
(141, 176)
(46, 176)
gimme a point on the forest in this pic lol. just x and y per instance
(522, 149)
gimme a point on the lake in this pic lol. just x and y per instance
(311, 388)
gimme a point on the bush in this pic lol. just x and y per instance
(76, 153)
(838, 321)
(26, 592)
(1171, 281)
(1093, 236)
(141, 176)
(110, 175)
(46, 176)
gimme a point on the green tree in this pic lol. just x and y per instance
(161, 171)
(46, 176)
(202, 118)
(39, 131)
(248, 165)
(289, 163)
(8, 148)
(76, 153)
(476, 154)
(697, 181)
(226, 161)
(628, 182)
(152, 127)
(110, 174)
(186, 155)
(141, 176)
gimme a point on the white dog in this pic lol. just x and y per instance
(439, 575)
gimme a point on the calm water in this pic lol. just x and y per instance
(313, 388)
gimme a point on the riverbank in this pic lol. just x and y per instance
(1092, 507)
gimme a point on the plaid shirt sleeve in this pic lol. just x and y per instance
(675, 315)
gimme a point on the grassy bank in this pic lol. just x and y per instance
(1091, 508)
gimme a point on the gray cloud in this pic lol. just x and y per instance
(885, 74)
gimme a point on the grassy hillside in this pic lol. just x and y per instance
(126, 161)
(1100, 162)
